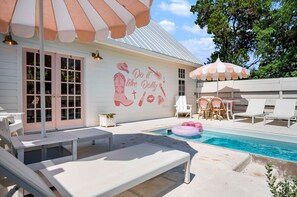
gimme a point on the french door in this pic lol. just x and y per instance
(63, 91)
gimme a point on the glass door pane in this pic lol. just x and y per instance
(70, 91)
(32, 87)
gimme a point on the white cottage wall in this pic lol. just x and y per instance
(9, 73)
(101, 92)
(98, 77)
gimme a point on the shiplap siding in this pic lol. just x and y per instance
(8, 79)
(98, 80)
(243, 90)
(101, 100)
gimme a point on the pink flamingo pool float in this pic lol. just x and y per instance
(188, 129)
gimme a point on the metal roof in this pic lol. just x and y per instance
(156, 39)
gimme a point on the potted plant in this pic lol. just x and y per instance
(106, 120)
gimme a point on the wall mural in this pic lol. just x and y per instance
(144, 86)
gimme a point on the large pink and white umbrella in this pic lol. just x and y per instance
(84, 20)
(219, 71)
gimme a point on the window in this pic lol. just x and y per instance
(181, 73)
(181, 82)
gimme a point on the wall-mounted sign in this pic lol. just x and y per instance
(139, 86)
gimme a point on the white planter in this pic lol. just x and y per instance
(107, 122)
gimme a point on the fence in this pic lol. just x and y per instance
(243, 90)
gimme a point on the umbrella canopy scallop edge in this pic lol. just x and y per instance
(86, 20)
(219, 71)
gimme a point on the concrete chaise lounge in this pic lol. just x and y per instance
(105, 174)
(254, 108)
(284, 109)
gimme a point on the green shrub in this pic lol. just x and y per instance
(285, 188)
(110, 115)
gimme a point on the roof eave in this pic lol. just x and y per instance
(146, 52)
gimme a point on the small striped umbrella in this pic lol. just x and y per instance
(85, 20)
(219, 71)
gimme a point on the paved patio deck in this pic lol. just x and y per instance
(212, 168)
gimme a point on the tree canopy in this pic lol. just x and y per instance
(255, 32)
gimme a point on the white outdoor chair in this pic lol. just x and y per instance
(182, 107)
(5, 133)
(254, 108)
(15, 121)
(284, 109)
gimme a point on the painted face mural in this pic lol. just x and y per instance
(141, 86)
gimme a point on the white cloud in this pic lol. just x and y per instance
(177, 7)
(195, 29)
(201, 47)
(167, 25)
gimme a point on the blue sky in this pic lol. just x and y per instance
(175, 17)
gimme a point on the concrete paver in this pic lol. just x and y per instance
(212, 168)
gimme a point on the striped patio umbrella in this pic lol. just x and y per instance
(86, 20)
(219, 71)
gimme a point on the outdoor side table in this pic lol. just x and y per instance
(22, 142)
(90, 134)
(229, 106)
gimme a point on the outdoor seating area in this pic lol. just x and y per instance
(146, 98)
(215, 107)
(129, 134)
(18, 144)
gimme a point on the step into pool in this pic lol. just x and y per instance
(270, 148)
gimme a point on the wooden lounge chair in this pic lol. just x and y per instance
(284, 109)
(182, 107)
(105, 174)
(254, 108)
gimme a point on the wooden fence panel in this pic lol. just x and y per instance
(244, 90)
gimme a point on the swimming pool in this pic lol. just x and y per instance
(271, 148)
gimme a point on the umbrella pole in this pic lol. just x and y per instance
(217, 87)
(41, 53)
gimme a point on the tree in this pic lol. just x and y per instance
(276, 37)
(262, 29)
(231, 23)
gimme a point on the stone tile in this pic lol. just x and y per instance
(127, 193)
(154, 187)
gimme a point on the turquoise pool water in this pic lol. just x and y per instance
(271, 148)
